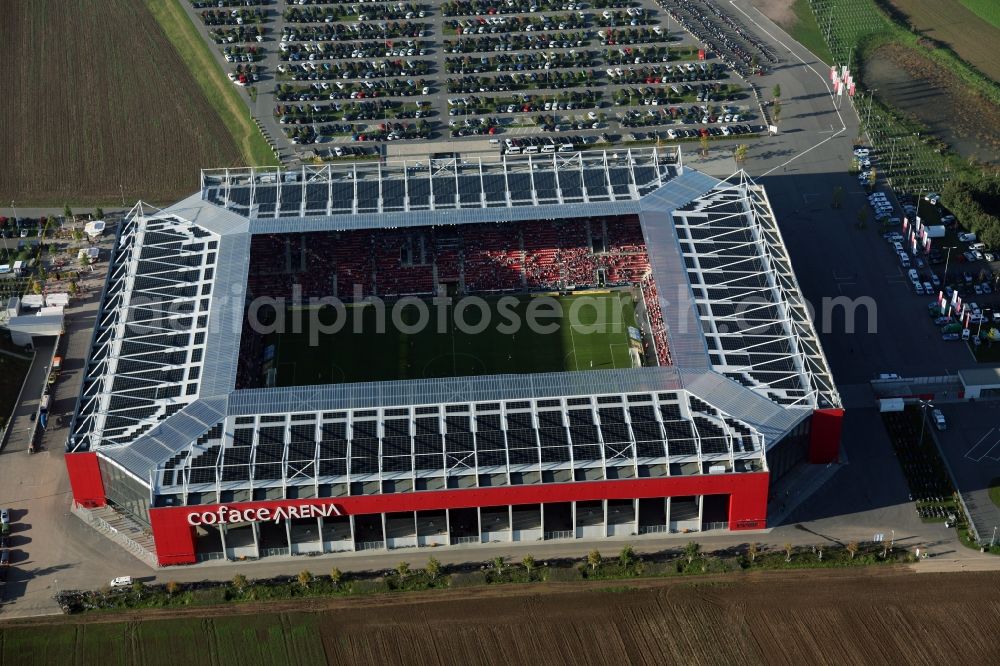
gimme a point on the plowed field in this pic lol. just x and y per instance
(948, 21)
(873, 616)
(97, 104)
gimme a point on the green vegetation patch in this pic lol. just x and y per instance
(213, 81)
(587, 331)
(988, 10)
(995, 491)
(806, 31)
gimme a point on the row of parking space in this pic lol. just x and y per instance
(336, 51)
(497, 524)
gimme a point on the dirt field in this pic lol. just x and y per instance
(96, 100)
(948, 21)
(916, 85)
(804, 617)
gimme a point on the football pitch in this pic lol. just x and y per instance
(484, 336)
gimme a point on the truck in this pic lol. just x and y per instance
(936, 231)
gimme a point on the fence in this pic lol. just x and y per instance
(559, 534)
(274, 552)
(465, 539)
(715, 526)
(654, 529)
(370, 545)
(908, 160)
(205, 557)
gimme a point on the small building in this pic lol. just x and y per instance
(59, 299)
(95, 228)
(33, 300)
(45, 323)
(980, 382)
(13, 306)
(89, 254)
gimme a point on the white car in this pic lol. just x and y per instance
(939, 421)
(967, 237)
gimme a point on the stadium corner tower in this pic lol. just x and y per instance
(209, 439)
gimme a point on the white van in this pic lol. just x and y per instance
(121, 581)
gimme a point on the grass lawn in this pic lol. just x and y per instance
(219, 91)
(988, 10)
(806, 32)
(590, 333)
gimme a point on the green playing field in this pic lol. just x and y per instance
(491, 336)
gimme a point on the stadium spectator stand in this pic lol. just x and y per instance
(473, 259)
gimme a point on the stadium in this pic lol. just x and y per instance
(382, 355)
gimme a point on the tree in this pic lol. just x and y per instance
(838, 197)
(138, 587)
(852, 548)
(68, 213)
(740, 152)
(72, 288)
(862, 217)
(691, 551)
(872, 177)
(336, 575)
(703, 144)
(240, 582)
(499, 562)
(788, 552)
(594, 559)
(36, 287)
(305, 577)
(776, 91)
(77, 235)
(752, 550)
(776, 112)
(627, 558)
(403, 570)
(173, 587)
(99, 213)
(433, 568)
(528, 562)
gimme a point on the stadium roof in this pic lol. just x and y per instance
(159, 383)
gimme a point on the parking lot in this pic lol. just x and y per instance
(971, 448)
(956, 276)
(543, 73)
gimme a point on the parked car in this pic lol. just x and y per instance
(5, 516)
(938, 419)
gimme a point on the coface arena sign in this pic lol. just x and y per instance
(229, 515)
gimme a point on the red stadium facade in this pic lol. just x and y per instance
(174, 528)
